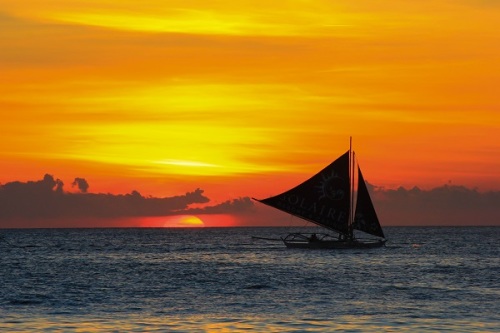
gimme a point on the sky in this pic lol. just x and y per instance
(243, 99)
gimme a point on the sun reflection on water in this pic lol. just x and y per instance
(211, 324)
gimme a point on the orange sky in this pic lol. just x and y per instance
(246, 98)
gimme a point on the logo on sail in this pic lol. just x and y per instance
(332, 187)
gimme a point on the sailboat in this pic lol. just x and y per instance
(329, 199)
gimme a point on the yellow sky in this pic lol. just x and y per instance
(166, 95)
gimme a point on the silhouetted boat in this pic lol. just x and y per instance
(329, 200)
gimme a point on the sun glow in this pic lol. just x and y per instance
(244, 98)
(184, 221)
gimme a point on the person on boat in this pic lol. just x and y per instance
(313, 238)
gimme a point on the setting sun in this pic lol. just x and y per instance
(183, 221)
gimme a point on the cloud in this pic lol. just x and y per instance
(234, 206)
(44, 203)
(447, 205)
(81, 183)
(45, 199)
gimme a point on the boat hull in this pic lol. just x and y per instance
(333, 244)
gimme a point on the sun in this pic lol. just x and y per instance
(184, 221)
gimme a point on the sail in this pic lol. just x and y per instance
(323, 199)
(365, 218)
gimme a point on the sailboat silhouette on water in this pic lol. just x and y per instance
(329, 199)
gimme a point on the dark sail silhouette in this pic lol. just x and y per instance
(326, 199)
(323, 199)
(365, 218)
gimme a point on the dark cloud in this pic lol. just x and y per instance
(235, 206)
(45, 199)
(81, 183)
(445, 205)
(44, 203)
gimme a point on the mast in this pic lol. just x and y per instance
(351, 184)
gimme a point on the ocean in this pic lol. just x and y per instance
(429, 279)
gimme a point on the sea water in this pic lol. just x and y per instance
(222, 280)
